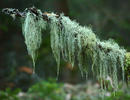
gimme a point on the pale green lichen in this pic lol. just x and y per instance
(32, 31)
(78, 45)
(55, 34)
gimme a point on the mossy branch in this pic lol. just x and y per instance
(46, 16)
(75, 43)
(15, 12)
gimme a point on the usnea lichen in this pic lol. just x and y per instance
(32, 31)
(78, 45)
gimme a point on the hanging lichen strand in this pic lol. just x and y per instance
(32, 31)
(80, 46)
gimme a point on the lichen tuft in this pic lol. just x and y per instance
(32, 31)
(80, 46)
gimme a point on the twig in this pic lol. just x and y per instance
(17, 13)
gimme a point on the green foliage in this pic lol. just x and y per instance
(9, 94)
(48, 91)
(119, 95)
(127, 67)
(127, 61)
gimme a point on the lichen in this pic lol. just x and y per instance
(77, 45)
(80, 46)
(32, 31)
(55, 34)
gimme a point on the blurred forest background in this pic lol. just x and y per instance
(107, 18)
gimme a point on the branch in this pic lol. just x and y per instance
(15, 12)
(45, 15)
